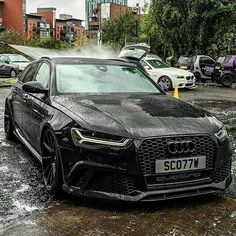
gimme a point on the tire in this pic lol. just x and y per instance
(12, 73)
(51, 164)
(166, 81)
(197, 76)
(8, 124)
(227, 80)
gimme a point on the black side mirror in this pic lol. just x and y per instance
(34, 87)
(7, 62)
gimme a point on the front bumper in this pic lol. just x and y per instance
(151, 196)
(184, 83)
(127, 174)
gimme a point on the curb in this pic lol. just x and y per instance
(215, 85)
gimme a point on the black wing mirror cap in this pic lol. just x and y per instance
(34, 87)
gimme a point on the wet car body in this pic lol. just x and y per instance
(144, 127)
(225, 70)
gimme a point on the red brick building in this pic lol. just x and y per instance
(12, 14)
(36, 26)
(105, 11)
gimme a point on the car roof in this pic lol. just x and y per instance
(85, 60)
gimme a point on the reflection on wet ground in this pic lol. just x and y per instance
(22, 195)
(225, 112)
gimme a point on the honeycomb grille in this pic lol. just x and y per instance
(222, 172)
(112, 183)
(156, 148)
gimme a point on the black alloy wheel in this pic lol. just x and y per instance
(197, 76)
(166, 82)
(8, 124)
(227, 80)
(52, 173)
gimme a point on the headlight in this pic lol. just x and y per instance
(86, 137)
(222, 134)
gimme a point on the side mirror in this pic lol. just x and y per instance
(34, 87)
(7, 62)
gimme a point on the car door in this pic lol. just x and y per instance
(19, 98)
(37, 111)
(234, 69)
(207, 65)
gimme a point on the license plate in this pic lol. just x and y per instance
(180, 164)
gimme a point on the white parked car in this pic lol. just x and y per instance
(170, 77)
(202, 66)
(158, 70)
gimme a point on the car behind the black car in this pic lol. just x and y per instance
(103, 129)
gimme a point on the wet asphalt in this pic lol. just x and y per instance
(27, 209)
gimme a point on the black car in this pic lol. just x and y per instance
(103, 129)
(7, 69)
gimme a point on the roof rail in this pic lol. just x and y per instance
(45, 57)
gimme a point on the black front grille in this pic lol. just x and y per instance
(111, 183)
(222, 172)
(189, 77)
(152, 149)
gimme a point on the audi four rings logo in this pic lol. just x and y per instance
(179, 147)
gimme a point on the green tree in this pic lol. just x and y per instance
(120, 30)
(190, 26)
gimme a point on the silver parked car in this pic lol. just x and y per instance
(15, 59)
(7, 69)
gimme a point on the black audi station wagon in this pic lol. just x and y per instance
(103, 129)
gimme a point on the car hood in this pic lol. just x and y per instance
(173, 71)
(137, 116)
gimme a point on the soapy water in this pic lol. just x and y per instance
(90, 52)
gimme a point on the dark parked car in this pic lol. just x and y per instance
(8, 70)
(103, 129)
(225, 71)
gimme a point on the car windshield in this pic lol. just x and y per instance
(223, 60)
(18, 58)
(157, 64)
(184, 60)
(99, 79)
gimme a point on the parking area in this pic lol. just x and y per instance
(27, 209)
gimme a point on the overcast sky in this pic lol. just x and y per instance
(72, 7)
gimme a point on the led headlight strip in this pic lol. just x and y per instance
(78, 139)
(222, 134)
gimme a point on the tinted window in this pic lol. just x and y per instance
(29, 74)
(207, 61)
(43, 75)
(100, 79)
